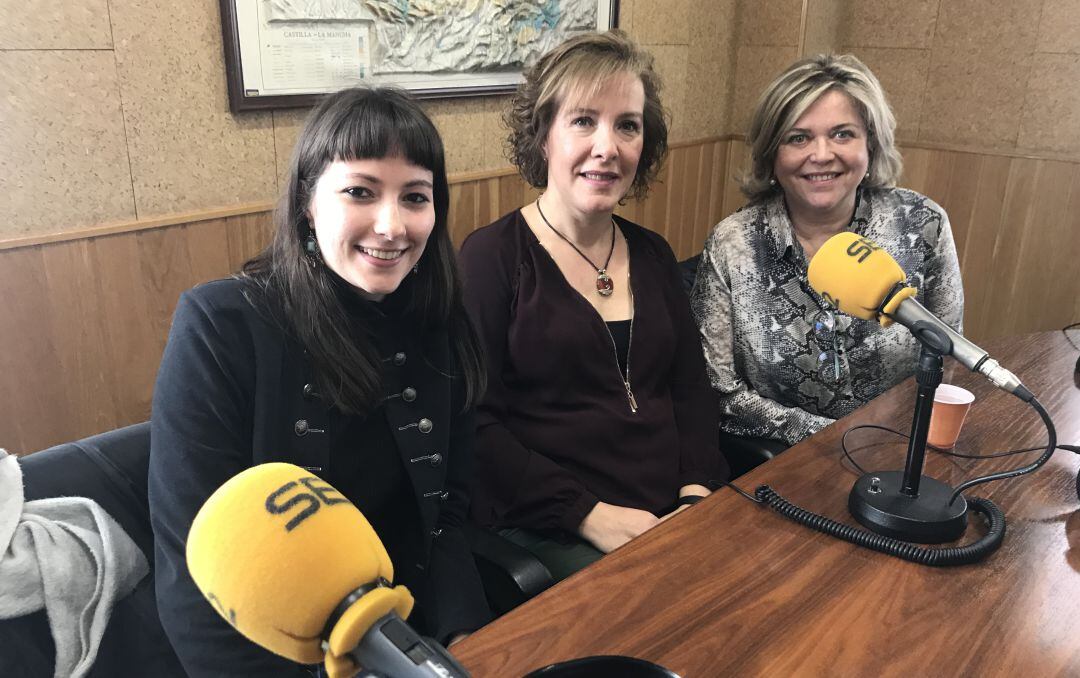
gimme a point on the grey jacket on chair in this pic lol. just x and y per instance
(109, 468)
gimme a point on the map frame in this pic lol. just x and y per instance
(236, 42)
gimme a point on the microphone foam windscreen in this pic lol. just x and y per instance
(275, 550)
(855, 275)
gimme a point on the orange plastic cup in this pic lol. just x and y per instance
(951, 405)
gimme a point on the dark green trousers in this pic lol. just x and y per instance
(562, 553)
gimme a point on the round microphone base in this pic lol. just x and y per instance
(877, 502)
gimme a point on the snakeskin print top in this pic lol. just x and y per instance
(783, 363)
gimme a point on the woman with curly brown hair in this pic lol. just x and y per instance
(598, 420)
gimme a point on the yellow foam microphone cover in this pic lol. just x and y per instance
(276, 549)
(855, 275)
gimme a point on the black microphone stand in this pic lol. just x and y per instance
(909, 505)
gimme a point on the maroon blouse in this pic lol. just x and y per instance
(555, 431)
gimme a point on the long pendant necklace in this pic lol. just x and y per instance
(604, 285)
(625, 374)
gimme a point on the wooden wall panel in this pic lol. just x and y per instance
(1064, 292)
(34, 388)
(708, 197)
(245, 236)
(680, 203)
(462, 210)
(653, 210)
(83, 321)
(686, 199)
(82, 344)
(1017, 233)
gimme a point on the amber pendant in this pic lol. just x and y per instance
(604, 284)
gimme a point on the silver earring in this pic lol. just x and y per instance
(416, 268)
(772, 182)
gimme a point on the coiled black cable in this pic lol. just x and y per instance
(940, 557)
(1051, 433)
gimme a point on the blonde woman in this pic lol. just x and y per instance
(823, 161)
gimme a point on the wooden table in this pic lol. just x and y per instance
(731, 588)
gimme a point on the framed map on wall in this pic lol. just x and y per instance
(286, 53)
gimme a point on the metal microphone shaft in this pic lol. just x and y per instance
(911, 314)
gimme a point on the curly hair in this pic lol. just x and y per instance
(578, 68)
(794, 91)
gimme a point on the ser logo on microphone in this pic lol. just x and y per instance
(861, 249)
(321, 494)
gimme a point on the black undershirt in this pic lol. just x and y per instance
(366, 467)
(620, 334)
(365, 463)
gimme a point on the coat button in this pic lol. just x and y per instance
(436, 532)
(301, 427)
(309, 392)
(399, 358)
(436, 459)
(425, 425)
(409, 394)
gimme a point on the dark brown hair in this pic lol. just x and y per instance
(357, 124)
(576, 69)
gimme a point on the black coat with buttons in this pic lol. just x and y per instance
(233, 391)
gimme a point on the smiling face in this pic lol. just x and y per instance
(594, 145)
(822, 159)
(372, 219)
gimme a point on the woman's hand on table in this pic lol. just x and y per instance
(609, 526)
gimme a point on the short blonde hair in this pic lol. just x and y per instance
(576, 69)
(795, 90)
